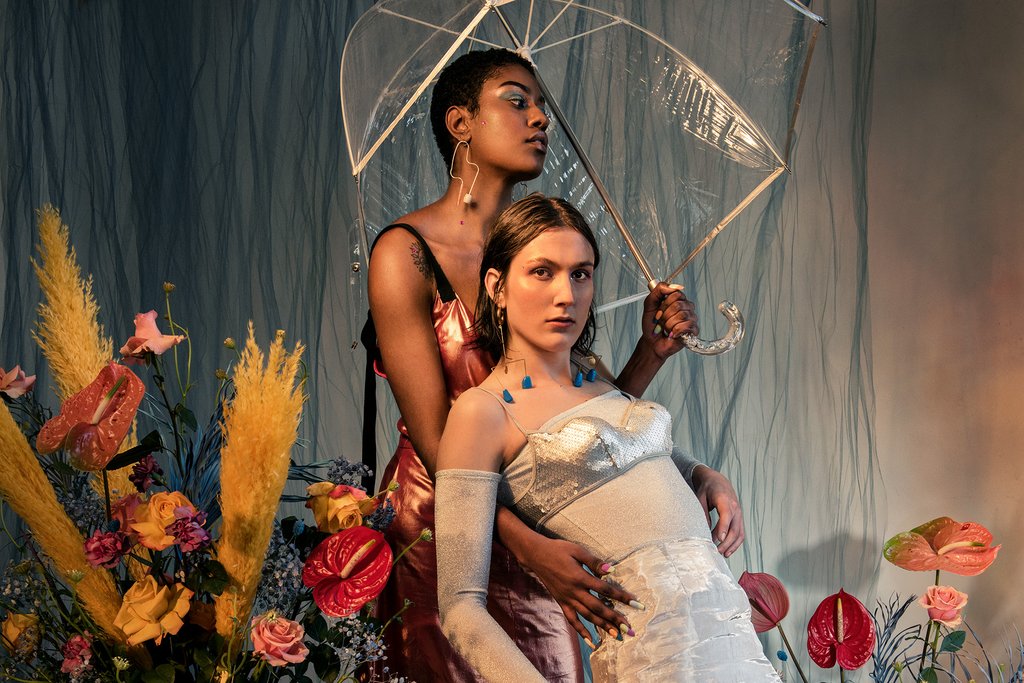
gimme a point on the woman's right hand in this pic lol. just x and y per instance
(560, 567)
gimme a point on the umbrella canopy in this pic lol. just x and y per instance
(665, 130)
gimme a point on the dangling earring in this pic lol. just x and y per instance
(468, 197)
(527, 382)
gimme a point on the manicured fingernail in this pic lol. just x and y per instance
(667, 333)
(626, 629)
(613, 633)
(672, 335)
(636, 604)
(607, 568)
(589, 644)
(657, 330)
(675, 286)
(657, 316)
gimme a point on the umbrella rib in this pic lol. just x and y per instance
(529, 23)
(616, 22)
(421, 88)
(551, 23)
(443, 29)
(725, 221)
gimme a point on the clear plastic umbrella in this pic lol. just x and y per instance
(664, 132)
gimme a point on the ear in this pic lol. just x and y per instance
(491, 279)
(457, 119)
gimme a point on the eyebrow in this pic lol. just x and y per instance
(540, 96)
(542, 261)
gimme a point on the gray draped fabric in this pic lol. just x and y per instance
(200, 143)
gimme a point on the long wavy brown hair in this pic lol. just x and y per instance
(516, 227)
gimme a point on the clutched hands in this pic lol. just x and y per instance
(716, 493)
(668, 317)
(560, 567)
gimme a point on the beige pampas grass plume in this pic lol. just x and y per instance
(260, 426)
(24, 486)
(68, 329)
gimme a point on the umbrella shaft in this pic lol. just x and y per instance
(587, 165)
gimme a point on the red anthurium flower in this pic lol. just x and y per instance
(841, 630)
(93, 423)
(347, 570)
(769, 602)
(943, 543)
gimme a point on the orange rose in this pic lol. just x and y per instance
(149, 610)
(152, 518)
(337, 507)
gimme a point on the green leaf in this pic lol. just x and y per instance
(318, 629)
(187, 417)
(162, 674)
(929, 676)
(953, 641)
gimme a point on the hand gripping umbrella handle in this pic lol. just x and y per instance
(728, 342)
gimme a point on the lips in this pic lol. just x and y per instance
(540, 138)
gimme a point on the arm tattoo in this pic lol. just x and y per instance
(419, 259)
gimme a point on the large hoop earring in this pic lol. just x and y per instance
(467, 199)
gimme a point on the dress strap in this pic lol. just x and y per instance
(504, 407)
(444, 287)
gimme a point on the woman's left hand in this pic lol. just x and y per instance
(668, 317)
(716, 493)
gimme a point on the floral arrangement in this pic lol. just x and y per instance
(160, 558)
(843, 632)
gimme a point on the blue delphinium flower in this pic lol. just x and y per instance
(282, 576)
(381, 518)
(342, 471)
(82, 504)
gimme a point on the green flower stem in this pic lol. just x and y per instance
(421, 537)
(927, 635)
(177, 369)
(792, 655)
(170, 411)
(394, 616)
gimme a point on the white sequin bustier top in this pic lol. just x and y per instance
(604, 474)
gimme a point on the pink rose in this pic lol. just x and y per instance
(278, 640)
(944, 604)
(77, 653)
(106, 548)
(15, 383)
(148, 338)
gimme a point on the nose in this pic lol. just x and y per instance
(565, 291)
(540, 118)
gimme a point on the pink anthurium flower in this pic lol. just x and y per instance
(93, 423)
(943, 543)
(347, 570)
(14, 383)
(841, 630)
(148, 338)
(769, 602)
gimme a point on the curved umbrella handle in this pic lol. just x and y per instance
(726, 343)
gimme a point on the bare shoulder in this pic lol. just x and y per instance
(476, 411)
(474, 436)
(399, 253)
